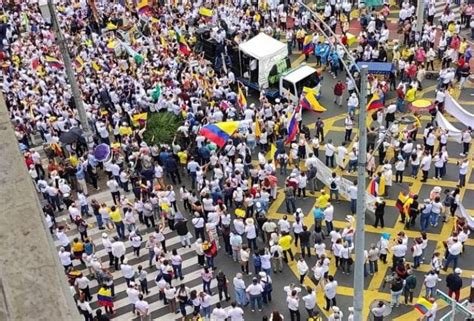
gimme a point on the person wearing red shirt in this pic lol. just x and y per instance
(339, 88)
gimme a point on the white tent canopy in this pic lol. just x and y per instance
(268, 51)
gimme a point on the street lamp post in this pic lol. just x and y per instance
(358, 300)
(76, 94)
(420, 10)
(361, 205)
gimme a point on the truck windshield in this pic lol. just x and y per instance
(310, 81)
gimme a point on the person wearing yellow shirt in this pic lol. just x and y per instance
(183, 157)
(410, 96)
(463, 46)
(323, 200)
(77, 249)
(116, 217)
(285, 243)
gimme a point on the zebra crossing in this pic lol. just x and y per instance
(122, 305)
(440, 5)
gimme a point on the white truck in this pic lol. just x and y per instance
(264, 65)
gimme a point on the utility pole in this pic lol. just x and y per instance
(76, 94)
(361, 206)
(420, 10)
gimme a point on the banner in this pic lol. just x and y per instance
(456, 110)
(324, 174)
(446, 125)
(465, 214)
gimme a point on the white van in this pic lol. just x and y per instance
(293, 81)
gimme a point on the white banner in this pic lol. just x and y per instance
(465, 214)
(324, 174)
(446, 125)
(456, 110)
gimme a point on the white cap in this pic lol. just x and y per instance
(457, 271)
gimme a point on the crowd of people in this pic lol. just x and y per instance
(217, 199)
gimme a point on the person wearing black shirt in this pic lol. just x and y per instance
(413, 211)
(304, 241)
(379, 213)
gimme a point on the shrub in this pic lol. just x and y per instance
(161, 128)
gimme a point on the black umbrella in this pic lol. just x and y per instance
(71, 136)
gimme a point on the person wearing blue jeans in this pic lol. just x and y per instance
(353, 196)
(255, 291)
(205, 305)
(353, 205)
(239, 289)
(451, 258)
(425, 216)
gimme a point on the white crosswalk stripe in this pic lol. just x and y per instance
(122, 306)
(441, 5)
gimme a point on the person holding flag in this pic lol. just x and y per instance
(241, 99)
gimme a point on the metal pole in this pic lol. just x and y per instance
(76, 94)
(360, 217)
(420, 10)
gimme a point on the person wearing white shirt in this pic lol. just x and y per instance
(463, 167)
(329, 150)
(425, 166)
(127, 271)
(293, 305)
(284, 225)
(235, 313)
(65, 257)
(132, 294)
(85, 308)
(142, 308)
(454, 250)
(330, 292)
(219, 314)
(431, 280)
(254, 292)
(302, 268)
(309, 301)
(240, 289)
(399, 251)
(353, 196)
(466, 139)
(63, 238)
(118, 251)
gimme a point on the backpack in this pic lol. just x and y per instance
(268, 287)
(333, 184)
(312, 172)
(257, 261)
(248, 158)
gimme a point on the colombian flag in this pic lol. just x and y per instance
(53, 62)
(308, 45)
(183, 46)
(423, 306)
(309, 102)
(219, 133)
(292, 128)
(241, 99)
(104, 296)
(375, 102)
